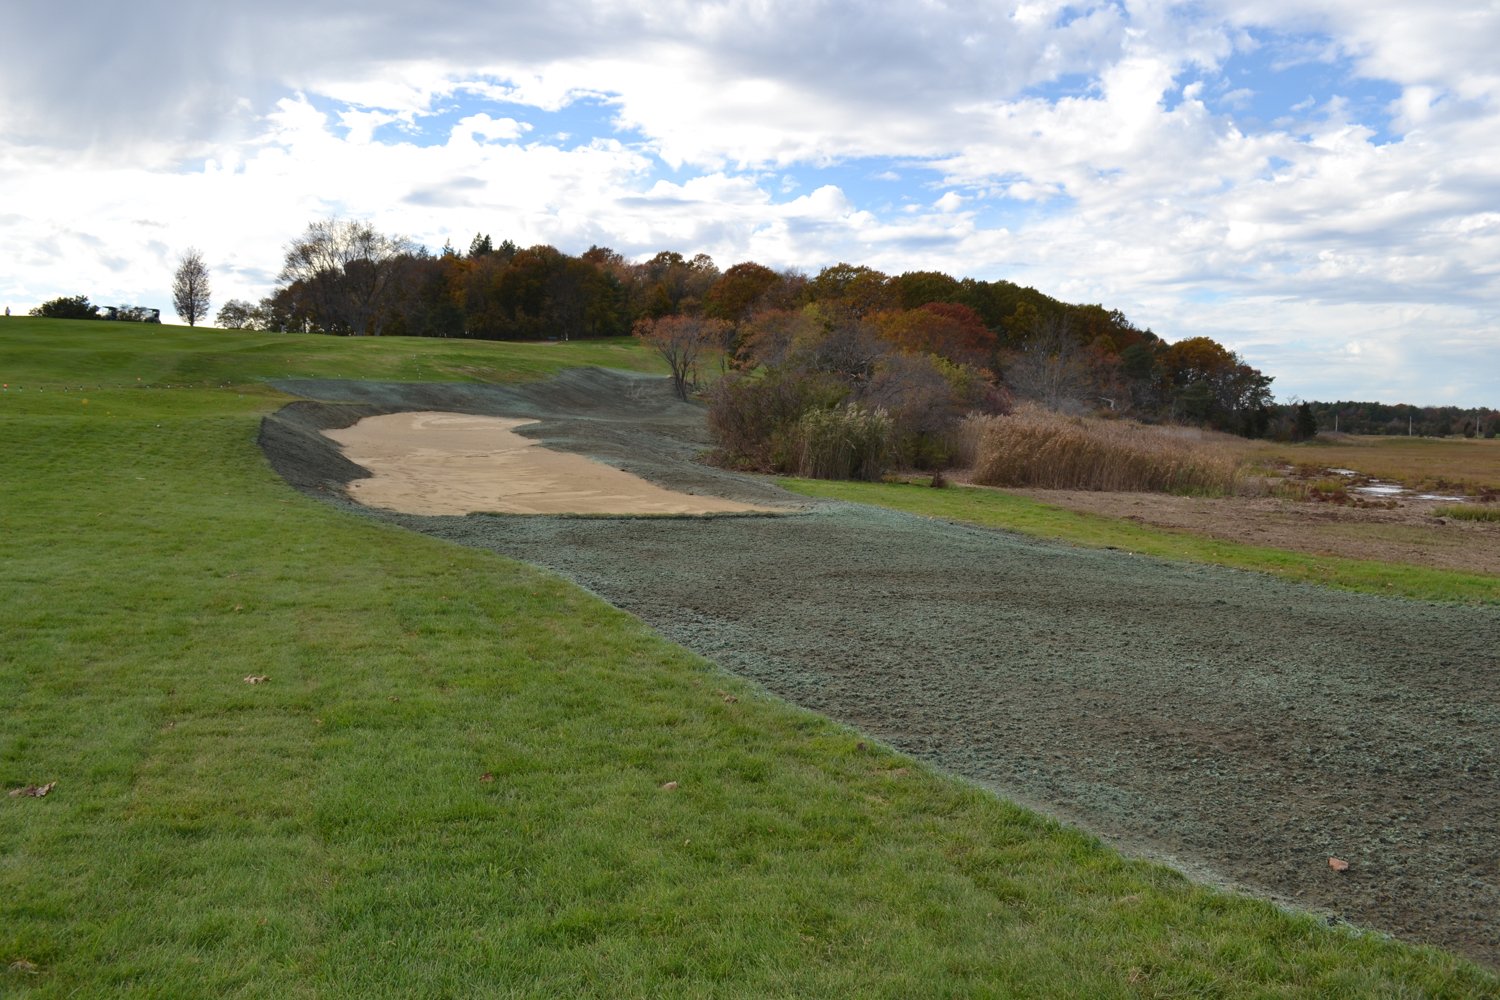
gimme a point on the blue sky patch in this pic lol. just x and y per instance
(575, 124)
(1287, 81)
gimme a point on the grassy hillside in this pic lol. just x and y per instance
(455, 779)
(94, 355)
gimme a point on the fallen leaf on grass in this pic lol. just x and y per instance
(33, 791)
(256, 679)
(669, 786)
(1338, 864)
(21, 965)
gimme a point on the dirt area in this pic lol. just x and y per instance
(1408, 532)
(456, 463)
(1242, 728)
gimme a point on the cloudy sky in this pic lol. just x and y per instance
(1314, 183)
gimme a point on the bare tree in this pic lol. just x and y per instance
(679, 340)
(190, 287)
(1051, 367)
(346, 272)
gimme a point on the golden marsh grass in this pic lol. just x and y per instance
(1035, 447)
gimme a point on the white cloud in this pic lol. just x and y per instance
(950, 202)
(482, 126)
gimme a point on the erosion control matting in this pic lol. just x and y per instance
(1242, 728)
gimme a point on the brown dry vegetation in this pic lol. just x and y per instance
(1282, 496)
(1468, 465)
(1036, 447)
(1412, 532)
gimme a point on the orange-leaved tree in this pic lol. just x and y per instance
(947, 329)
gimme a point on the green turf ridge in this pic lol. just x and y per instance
(90, 356)
(995, 509)
(452, 782)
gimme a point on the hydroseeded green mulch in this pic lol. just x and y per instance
(457, 777)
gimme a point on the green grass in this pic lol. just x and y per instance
(993, 509)
(53, 354)
(1470, 512)
(330, 833)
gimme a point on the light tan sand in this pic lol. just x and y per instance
(453, 463)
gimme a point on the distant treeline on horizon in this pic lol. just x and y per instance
(1401, 418)
(343, 277)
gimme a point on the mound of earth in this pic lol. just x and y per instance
(1242, 728)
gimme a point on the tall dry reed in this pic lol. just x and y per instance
(1040, 448)
(851, 442)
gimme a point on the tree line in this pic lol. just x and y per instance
(1401, 418)
(344, 277)
(991, 340)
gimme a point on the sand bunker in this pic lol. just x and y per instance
(454, 463)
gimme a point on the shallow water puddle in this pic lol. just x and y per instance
(1390, 491)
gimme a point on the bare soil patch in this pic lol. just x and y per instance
(1243, 728)
(1409, 532)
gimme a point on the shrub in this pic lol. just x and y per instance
(67, 307)
(1037, 447)
(752, 417)
(926, 398)
(777, 418)
(851, 442)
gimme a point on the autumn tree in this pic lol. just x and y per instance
(738, 291)
(1206, 382)
(669, 283)
(190, 289)
(853, 290)
(914, 289)
(769, 336)
(946, 329)
(680, 340)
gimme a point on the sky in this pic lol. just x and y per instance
(1313, 183)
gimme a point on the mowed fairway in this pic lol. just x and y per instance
(452, 781)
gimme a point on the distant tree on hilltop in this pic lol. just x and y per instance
(190, 289)
(67, 307)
